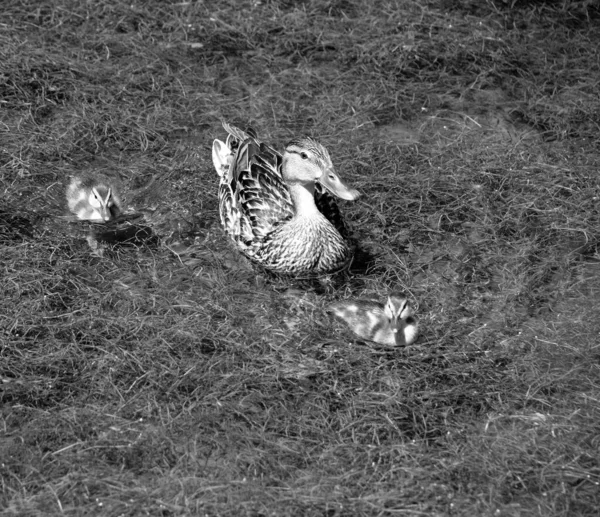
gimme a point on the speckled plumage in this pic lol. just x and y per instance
(277, 216)
(93, 198)
(390, 323)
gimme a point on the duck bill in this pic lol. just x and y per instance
(332, 182)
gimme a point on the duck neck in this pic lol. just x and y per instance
(303, 200)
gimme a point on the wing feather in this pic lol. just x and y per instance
(328, 206)
(255, 190)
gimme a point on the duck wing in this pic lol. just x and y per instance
(254, 195)
(237, 134)
(327, 205)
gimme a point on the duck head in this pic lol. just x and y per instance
(306, 161)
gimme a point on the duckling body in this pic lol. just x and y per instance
(279, 209)
(390, 323)
(93, 198)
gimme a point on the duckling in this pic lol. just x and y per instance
(94, 198)
(391, 323)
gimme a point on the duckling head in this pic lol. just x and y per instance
(94, 201)
(102, 201)
(402, 322)
(306, 161)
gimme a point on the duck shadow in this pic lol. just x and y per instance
(124, 230)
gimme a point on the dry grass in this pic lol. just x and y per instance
(173, 379)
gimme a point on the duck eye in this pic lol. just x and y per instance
(304, 156)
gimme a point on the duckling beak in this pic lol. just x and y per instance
(398, 330)
(332, 182)
(105, 214)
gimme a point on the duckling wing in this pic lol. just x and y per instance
(366, 319)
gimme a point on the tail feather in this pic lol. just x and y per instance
(237, 133)
(221, 156)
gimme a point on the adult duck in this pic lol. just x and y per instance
(278, 208)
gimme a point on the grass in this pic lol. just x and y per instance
(174, 379)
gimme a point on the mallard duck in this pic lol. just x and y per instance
(93, 197)
(278, 209)
(391, 323)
